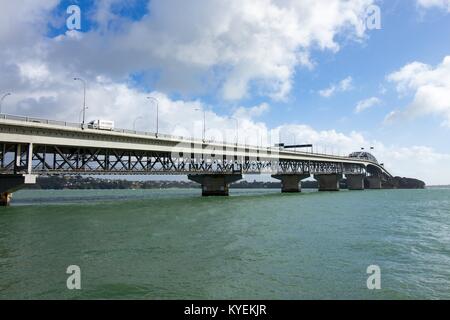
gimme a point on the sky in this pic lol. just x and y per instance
(333, 73)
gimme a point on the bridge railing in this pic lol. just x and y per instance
(39, 120)
(150, 134)
(79, 125)
(119, 130)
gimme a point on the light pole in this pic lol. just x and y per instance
(80, 115)
(157, 113)
(3, 98)
(204, 124)
(237, 130)
(84, 99)
(134, 123)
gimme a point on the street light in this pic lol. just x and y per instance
(237, 130)
(157, 113)
(204, 124)
(3, 98)
(134, 122)
(84, 99)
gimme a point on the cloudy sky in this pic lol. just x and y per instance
(303, 71)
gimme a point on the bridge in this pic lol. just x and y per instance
(30, 147)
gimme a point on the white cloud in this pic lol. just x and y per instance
(416, 162)
(326, 93)
(346, 84)
(127, 106)
(58, 96)
(366, 104)
(391, 117)
(252, 112)
(412, 161)
(442, 4)
(229, 47)
(22, 23)
(196, 45)
(343, 86)
(430, 87)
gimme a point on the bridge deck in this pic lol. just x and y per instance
(69, 143)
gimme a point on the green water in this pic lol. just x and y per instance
(256, 244)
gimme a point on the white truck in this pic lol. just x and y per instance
(101, 125)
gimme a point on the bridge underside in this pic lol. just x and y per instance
(10, 183)
(213, 171)
(70, 160)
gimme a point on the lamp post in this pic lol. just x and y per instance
(134, 123)
(157, 113)
(84, 99)
(3, 98)
(237, 130)
(204, 125)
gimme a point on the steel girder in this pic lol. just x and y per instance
(48, 159)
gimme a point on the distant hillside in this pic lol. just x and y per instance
(80, 182)
(404, 183)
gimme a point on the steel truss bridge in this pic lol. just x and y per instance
(30, 146)
(51, 159)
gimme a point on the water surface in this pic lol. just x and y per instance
(255, 244)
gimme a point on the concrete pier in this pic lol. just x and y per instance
(328, 182)
(373, 182)
(10, 183)
(290, 183)
(355, 181)
(215, 184)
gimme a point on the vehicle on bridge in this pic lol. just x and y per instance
(101, 125)
(30, 147)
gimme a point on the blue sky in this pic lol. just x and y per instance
(265, 62)
(407, 35)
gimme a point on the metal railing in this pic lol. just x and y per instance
(166, 136)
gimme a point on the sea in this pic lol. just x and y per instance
(254, 244)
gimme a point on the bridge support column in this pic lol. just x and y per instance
(290, 183)
(374, 182)
(10, 183)
(355, 181)
(328, 182)
(215, 184)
